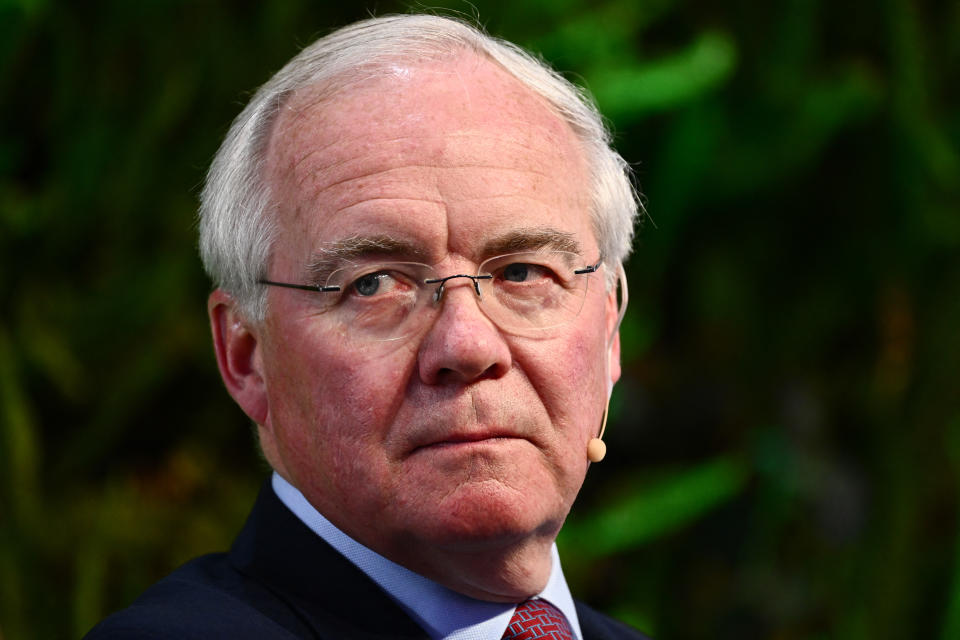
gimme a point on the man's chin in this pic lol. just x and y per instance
(479, 516)
(477, 494)
(498, 464)
(487, 548)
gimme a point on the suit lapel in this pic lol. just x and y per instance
(316, 585)
(596, 626)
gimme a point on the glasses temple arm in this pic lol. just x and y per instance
(302, 287)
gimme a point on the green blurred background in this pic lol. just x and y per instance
(785, 443)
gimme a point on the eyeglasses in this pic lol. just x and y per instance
(521, 293)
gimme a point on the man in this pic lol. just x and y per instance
(416, 234)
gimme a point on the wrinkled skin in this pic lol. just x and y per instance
(457, 452)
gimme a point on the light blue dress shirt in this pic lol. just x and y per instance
(444, 614)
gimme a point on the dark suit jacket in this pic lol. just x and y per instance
(281, 580)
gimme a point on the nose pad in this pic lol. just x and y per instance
(441, 283)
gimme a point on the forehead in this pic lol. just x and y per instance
(442, 151)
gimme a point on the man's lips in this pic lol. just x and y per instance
(467, 418)
(455, 439)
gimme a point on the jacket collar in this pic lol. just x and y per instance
(321, 587)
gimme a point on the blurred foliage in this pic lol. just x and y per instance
(785, 442)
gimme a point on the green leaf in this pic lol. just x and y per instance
(631, 90)
(18, 437)
(663, 507)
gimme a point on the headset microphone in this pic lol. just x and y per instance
(597, 448)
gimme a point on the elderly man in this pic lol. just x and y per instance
(416, 234)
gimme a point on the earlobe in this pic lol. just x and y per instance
(238, 355)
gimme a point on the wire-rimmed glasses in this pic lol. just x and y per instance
(521, 293)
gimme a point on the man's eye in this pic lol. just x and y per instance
(524, 272)
(516, 272)
(369, 284)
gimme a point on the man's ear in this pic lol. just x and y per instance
(613, 337)
(238, 355)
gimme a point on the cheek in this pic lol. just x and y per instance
(330, 407)
(569, 377)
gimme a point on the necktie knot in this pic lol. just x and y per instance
(538, 620)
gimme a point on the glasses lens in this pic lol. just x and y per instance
(527, 292)
(533, 290)
(378, 301)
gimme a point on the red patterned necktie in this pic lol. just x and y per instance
(538, 620)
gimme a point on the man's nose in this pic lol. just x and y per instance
(463, 344)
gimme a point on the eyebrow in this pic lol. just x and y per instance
(531, 239)
(327, 260)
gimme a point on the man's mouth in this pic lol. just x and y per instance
(468, 439)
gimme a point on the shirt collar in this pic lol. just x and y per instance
(443, 613)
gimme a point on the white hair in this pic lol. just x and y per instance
(236, 222)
